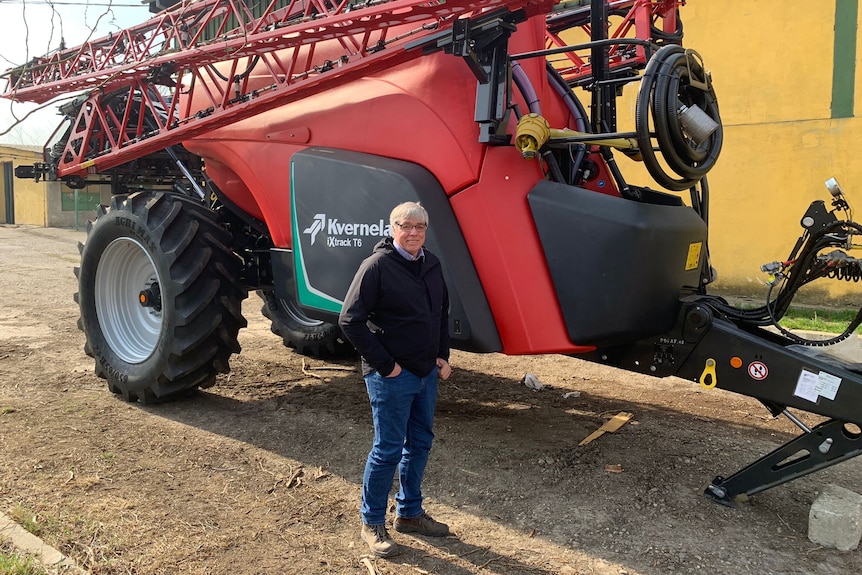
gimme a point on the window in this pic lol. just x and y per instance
(86, 201)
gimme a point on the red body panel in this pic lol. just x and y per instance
(416, 113)
(422, 112)
(498, 226)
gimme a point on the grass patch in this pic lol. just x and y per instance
(14, 563)
(26, 519)
(821, 319)
(88, 542)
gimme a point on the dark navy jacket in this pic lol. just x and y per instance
(397, 310)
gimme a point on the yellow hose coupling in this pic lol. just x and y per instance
(532, 133)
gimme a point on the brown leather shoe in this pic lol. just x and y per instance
(422, 524)
(378, 540)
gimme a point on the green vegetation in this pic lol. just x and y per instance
(74, 535)
(13, 563)
(25, 519)
(821, 319)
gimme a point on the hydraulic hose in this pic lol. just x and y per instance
(576, 109)
(677, 94)
(660, 36)
(522, 81)
(564, 91)
(806, 268)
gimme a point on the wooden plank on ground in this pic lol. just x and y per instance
(609, 426)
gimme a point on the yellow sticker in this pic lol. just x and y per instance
(693, 259)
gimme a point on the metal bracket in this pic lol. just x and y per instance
(693, 80)
(484, 46)
(462, 45)
(483, 43)
(825, 445)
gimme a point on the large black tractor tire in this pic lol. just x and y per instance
(307, 336)
(159, 296)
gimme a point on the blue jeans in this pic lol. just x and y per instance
(403, 411)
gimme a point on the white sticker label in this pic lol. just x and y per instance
(806, 386)
(829, 385)
(812, 386)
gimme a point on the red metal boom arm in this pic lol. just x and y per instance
(145, 68)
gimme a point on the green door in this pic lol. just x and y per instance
(9, 192)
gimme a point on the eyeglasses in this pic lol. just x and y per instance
(408, 227)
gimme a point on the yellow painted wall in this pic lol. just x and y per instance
(40, 203)
(30, 206)
(771, 63)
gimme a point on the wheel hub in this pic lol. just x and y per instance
(128, 300)
(151, 297)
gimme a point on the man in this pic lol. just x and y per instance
(396, 314)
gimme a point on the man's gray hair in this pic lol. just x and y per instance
(408, 211)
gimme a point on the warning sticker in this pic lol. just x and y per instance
(693, 259)
(757, 370)
(812, 386)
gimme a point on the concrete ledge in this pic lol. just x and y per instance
(28, 543)
(835, 519)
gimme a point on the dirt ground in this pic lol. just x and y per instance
(260, 474)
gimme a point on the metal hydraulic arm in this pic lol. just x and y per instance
(134, 79)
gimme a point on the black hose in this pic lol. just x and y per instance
(805, 269)
(236, 77)
(576, 109)
(522, 81)
(666, 84)
(662, 37)
(573, 104)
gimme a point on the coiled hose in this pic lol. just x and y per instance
(674, 77)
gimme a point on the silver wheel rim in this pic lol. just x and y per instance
(130, 329)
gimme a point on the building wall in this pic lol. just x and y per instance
(773, 64)
(57, 217)
(30, 203)
(42, 203)
(774, 72)
(2, 198)
(29, 196)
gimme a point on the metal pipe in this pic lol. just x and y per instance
(797, 421)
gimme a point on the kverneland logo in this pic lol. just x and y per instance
(318, 224)
(334, 227)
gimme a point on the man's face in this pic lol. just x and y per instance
(410, 235)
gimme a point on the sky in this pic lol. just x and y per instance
(34, 28)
